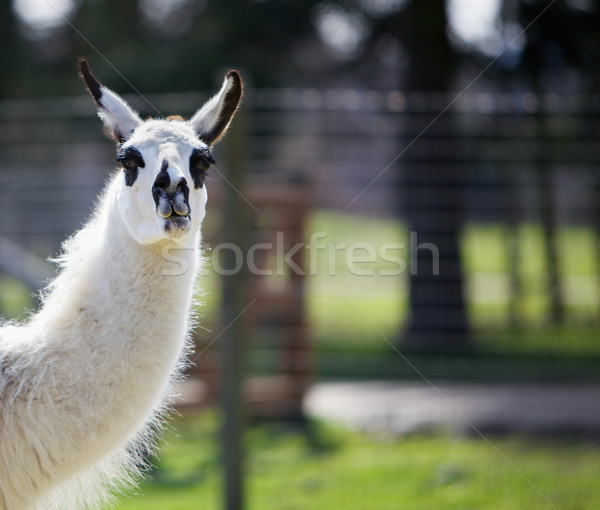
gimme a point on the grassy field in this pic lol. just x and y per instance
(331, 468)
(488, 266)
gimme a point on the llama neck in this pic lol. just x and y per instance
(122, 298)
(138, 287)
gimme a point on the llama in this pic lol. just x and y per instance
(85, 382)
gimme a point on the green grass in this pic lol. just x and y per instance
(346, 308)
(333, 468)
(488, 267)
(546, 341)
(355, 318)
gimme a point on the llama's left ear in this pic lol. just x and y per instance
(118, 117)
(211, 121)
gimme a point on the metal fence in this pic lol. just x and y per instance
(517, 173)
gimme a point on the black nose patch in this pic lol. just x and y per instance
(162, 179)
(169, 201)
(161, 183)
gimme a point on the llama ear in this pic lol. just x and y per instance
(118, 117)
(211, 121)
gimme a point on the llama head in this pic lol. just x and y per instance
(164, 162)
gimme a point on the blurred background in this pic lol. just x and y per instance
(412, 318)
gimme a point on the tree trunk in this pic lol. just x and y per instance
(433, 196)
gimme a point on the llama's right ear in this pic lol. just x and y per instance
(118, 117)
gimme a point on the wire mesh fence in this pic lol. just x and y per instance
(509, 180)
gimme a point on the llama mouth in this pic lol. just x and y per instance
(174, 215)
(177, 225)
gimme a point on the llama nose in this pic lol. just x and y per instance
(169, 196)
(181, 185)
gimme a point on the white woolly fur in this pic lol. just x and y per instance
(84, 383)
(87, 376)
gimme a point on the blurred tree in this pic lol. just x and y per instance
(432, 193)
(10, 48)
(163, 46)
(560, 54)
(408, 47)
(562, 36)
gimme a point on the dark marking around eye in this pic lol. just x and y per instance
(130, 160)
(200, 161)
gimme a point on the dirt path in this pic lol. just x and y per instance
(405, 407)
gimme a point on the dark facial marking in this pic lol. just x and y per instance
(200, 161)
(130, 160)
(161, 183)
(162, 180)
(164, 166)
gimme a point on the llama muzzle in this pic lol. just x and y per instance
(171, 198)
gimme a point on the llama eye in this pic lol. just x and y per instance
(130, 159)
(128, 164)
(200, 161)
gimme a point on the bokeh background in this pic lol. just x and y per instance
(414, 188)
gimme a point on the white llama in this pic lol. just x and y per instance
(84, 382)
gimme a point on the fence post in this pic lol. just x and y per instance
(233, 306)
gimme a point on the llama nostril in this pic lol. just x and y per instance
(181, 184)
(162, 181)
